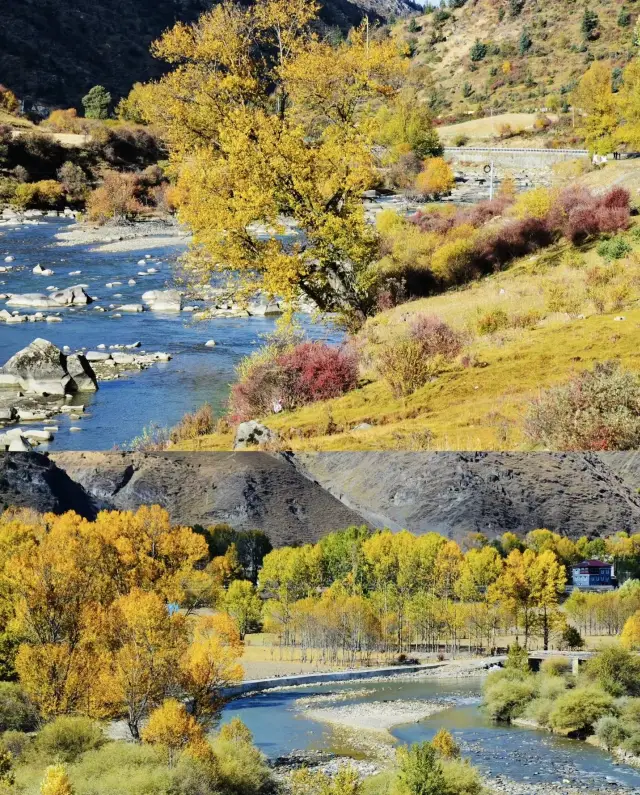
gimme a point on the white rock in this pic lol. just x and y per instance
(131, 308)
(123, 358)
(97, 356)
(20, 445)
(210, 344)
(9, 258)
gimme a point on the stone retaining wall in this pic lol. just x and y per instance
(253, 685)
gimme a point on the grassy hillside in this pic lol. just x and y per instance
(552, 329)
(508, 77)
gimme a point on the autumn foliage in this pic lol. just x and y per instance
(91, 601)
(292, 377)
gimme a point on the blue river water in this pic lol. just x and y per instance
(160, 395)
(520, 754)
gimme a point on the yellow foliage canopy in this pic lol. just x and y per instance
(254, 138)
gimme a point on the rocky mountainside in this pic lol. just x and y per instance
(54, 52)
(247, 490)
(530, 51)
(298, 498)
(454, 493)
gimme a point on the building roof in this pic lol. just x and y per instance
(590, 563)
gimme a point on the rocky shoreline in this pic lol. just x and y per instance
(41, 382)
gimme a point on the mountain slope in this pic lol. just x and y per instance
(299, 498)
(514, 74)
(54, 52)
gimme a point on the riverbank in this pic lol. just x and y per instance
(377, 716)
(121, 238)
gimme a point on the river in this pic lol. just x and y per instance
(520, 755)
(160, 395)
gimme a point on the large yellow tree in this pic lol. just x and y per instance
(265, 121)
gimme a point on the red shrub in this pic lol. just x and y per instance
(514, 239)
(436, 337)
(257, 393)
(581, 224)
(320, 372)
(617, 197)
(308, 372)
(485, 211)
(581, 215)
(434, 221)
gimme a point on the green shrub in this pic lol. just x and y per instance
(555, 666)
(539, 710)
(16, 742)
(478, 51)
(460, 778)
(242, 769)
(610, 731)
(507, 697)
(67, 737)
(597, 409)
(630, 713)
(404, 367)
(125, 769)
(525, 320)
(632, 744)
(550, 686)
(17, 713)
(615, 670)
(571, 639)
(491, 321)
(420, 772)
(577, 711)
(615, 248)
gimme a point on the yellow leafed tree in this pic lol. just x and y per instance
(264, 121)
(147, 643)
(172, 728)
(630, 637)
(209, 663)
(596, 105)
(56, 782)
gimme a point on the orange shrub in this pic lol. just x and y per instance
(435, 178)
(65, 121)
(117, 199)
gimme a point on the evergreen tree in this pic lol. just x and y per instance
(624, 18)
(96, 103)
(525, 43)
(478, 51)
(590, 22)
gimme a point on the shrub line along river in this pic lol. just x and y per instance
(160, 395)
(513, 759)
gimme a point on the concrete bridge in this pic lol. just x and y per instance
(536, 658)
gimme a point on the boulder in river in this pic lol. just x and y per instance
(263, 308)
(42, 369)
(71, 296)
(81, 373)
(163, 300)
